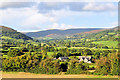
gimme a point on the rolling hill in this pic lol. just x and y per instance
(101, 35)
(11, 33)
(57, 32)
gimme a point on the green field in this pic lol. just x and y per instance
(111, 33)
(5, 56)
(107, 43)
(16, 47)
(5, 37)
(49, 53)
(92, 65)
(43, 38)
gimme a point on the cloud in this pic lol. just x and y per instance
(45, 7)
(114, 24)
(49, 15)
(59, 0)
(37, 19)
(5, 5)
(63, 26)
(25, 18)
(59, 26)
(100, 7)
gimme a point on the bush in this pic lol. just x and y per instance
(48, 66)
(75, 67)
(108, 65)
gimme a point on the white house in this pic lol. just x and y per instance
(63, 58)
(86, 59)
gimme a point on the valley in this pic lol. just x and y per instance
(91, 51)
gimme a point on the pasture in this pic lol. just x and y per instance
(107, 43)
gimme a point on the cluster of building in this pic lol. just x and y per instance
(86, 59)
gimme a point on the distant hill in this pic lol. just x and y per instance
(60, 32)
(116, 28)
(7, 29)
(9, 32)
(103, 34)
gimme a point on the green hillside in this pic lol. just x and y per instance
(12, 38)
(11, 33)
(107, 37)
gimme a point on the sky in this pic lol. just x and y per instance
(37, 16)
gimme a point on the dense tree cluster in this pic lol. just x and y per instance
(108, 65)
(25, 62)
(74, 67)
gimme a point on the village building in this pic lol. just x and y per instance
(95, 47)
(63, 58)
(86, 59)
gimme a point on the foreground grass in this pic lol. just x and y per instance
(31, 75)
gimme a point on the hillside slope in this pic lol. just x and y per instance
(59, 32)
(11, 33)
(106, 34)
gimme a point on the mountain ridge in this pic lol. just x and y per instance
(60, 32)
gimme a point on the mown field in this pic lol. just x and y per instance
(61, 75)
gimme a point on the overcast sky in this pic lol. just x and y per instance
(36, 16)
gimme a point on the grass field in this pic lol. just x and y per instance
(116, 36)
(31, 75)
(49, 53)
(5, 37)
(92, 65)
(107, 43)
(5, 56)
(16, 47)
(111, 33)
(43, 38)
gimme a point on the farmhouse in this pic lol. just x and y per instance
(63, 58)
(86, 59)
(95, 47)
